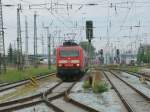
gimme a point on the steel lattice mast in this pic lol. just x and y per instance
(19, 41)
(42, 42)
(2, 45)
(35, 41)
(26, 43)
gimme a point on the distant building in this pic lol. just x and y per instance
(128, 58)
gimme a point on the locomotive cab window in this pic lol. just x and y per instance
(69, 53)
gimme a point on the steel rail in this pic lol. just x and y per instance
(142, 94)
(147, 77)
(38, 75)
(65, 94)
(83, 106)
(55, 108)
(20, 83)
(127, 105)
(39, 98)
(25, 102)
(47, 101)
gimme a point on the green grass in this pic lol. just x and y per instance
(86, 85)
(133, 69)
(100, 87)
(147, 66)
(13, 75)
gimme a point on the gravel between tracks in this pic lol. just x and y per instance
(105, 102)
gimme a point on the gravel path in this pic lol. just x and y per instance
(137, 102)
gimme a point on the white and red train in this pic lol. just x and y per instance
(71, 61)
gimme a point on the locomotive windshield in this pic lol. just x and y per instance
(69, 53)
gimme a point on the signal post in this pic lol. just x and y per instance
(89, 37)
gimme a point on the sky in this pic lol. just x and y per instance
(115, 22)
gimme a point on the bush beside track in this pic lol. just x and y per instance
(14, 75)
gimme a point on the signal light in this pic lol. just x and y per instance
(89, 30)
(101, 51)
(117, 52)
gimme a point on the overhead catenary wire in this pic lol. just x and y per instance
(60, 18)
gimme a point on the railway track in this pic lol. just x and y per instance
(74, 102)
(132, 86)
(132, 98)
(7, 86)
(139, 75)
(2, 84)
(47, 97)
(63, 103)
(59, 94)
(56, 99)
(25, 102)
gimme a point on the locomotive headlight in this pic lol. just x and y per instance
(60, 65)
(78, 65)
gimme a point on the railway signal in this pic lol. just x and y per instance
(117, 52)
(101, 52)
(101, 58)
(118, 56)
(89, 36)
(89, 30)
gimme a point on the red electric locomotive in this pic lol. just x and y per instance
(71, 61)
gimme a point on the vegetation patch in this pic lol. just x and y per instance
(133, 69)
(112, 66)
(86, 85)
(13, 75)
(100, 87)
